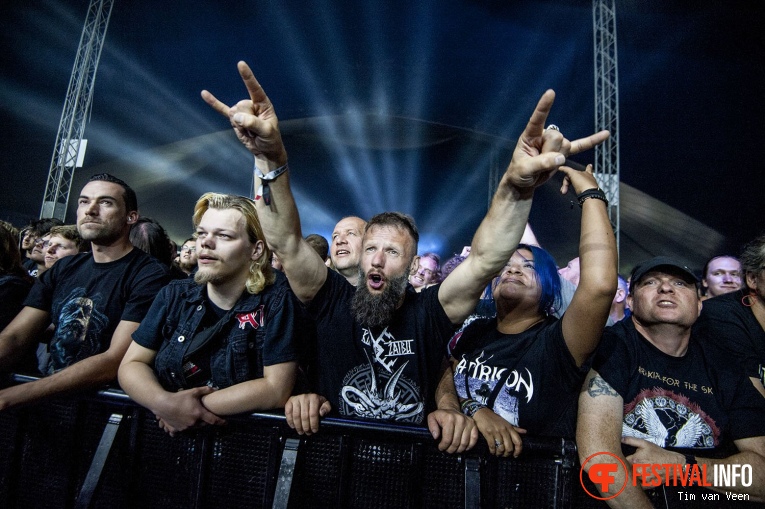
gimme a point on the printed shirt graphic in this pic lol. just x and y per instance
(87, 300)
(388, 373)
(669, 420)
(79, 330)
(529, 379)
(697, 401)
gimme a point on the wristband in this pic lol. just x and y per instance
(598, 194)
(470, 407)
(265, 179)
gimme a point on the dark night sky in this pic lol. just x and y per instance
(394, 105)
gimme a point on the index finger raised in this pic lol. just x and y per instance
(217, 105)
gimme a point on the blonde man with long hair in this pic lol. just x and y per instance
(229, 347)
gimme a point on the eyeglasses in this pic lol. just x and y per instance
(190, 249)
(41, 242)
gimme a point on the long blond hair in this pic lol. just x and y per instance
(261, 273)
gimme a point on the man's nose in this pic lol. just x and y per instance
(666, 287)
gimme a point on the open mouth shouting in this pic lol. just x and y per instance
(375, 281)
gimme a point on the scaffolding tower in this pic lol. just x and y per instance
(70, 144)
(607, 105)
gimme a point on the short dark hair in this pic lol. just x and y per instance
(397, 220)
(148, 235)
(319, 244)
(40, 227)
(131, 201)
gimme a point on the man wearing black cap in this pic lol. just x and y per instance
(655, 389)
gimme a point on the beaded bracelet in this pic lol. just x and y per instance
(470, 407)
(268, 177)
(598, 194)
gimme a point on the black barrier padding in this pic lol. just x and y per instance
(384, 475)
(241, 466)
(48, 456)
(168, 468)
(443, 480)
(528, 482)
(347, 464)
(318, 473)
(9, 442)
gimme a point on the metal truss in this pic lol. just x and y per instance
(70, 144)
(607, 104)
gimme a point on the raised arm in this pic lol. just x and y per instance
(586, 316)
(537, 156)
(257, 127)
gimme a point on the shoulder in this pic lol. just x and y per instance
(720, 306)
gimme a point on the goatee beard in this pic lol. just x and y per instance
(202, 277)
(372, 310)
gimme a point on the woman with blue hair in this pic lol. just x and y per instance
(521, 370)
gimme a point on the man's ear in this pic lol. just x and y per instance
(413, 266)
(132, 217)
(620, 295)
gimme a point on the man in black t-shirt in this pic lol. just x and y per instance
(95, 300)
(380, 345)
(656, 388)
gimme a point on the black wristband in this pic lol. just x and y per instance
(598, 194)
(690, 459)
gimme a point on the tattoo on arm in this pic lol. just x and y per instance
(599, 387)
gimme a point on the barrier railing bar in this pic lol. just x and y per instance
(99, 460)
(472, 483)
(286, 472)
(543, 445)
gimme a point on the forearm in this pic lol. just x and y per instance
(259, 394)
(493, 244)
(446, 393)
(89, 373)
(598, 256)
(500, 231)
(140, 382)
(11, 352)
(281, 225)
(756, 489)
(280, 220)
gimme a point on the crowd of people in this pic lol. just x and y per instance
(661, 367)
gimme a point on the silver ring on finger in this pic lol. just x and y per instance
(553, 127)
(497, 443)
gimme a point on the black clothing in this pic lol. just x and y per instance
(529, 379)
(87, 300)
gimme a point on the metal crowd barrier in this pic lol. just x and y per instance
(103, 450)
